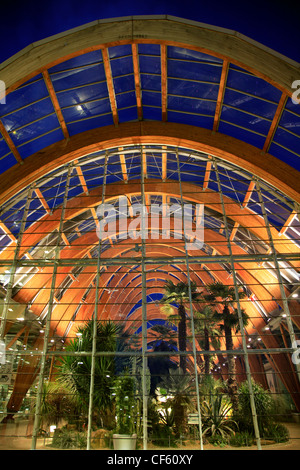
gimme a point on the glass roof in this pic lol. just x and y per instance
(193, 80)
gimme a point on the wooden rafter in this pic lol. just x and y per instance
(137, 81)
(7, 232)
(220, 95)
(144, 157)
(287, 222)
(248, 193)
(55, 103)
(163, 49)
(244, 204)
(17, 335)
(207, 175)
(42, 200)
(110, 86)
(94, 214)
(81, 177)
(275, 122)
(10, 143)
(64, 238)
(123, 165)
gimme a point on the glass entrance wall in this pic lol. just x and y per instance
(148, 290)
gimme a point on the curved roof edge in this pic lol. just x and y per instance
(243, 51)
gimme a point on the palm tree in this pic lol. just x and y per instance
(165, 334)
(206, 325)
(229, 322)
(179, 294)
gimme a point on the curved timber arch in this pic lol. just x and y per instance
(226, 44)
(246, 156)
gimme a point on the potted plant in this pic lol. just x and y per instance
(124, 438)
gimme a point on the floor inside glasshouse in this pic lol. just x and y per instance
(22, 443)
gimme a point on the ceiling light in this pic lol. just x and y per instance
(295, 295)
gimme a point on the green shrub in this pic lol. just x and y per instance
(242, 439)
(277, 432)
(163, 436)
(65, 439)
(263, 404)
(218, 441)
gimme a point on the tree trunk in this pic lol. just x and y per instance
(180, 420)
(182, 337)
(232, 385)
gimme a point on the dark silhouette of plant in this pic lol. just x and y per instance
(178, 295)
(206, 326)
(229, 322)
(160, 365)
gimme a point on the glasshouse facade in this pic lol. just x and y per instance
(150, 240)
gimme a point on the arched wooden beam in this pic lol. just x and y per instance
(244, 155)
(164, 29)
(259, 279)
(43, 295)
(168, 250)
(243, 216)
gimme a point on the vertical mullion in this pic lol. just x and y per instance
(191, 308)
(241, 325)
(49, 313)
(279, 277)
(94, 318)
(144, 305)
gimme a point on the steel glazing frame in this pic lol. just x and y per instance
(182, 266)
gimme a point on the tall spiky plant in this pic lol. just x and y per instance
(75, 371)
